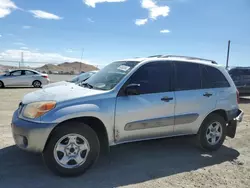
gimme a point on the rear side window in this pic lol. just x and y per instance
(213, 78)
(29, 73)
(187, 76)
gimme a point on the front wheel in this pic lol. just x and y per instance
(212, 132)
(71, 150)
(1, 84)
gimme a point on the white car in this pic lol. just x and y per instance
(24, 77)
(76, 80)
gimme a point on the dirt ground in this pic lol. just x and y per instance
(175, 162)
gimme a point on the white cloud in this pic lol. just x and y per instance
(45, 15)
(31, 56)
(90, 20)
(6, 7)
(148, 4)
(69, 50)
(24, 48)
(0, 35)
(92, 3)
(141, 21)
(164, 31)
(19, 43)
(154, 10)
(26, 27)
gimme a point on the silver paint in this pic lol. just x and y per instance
(116, 112)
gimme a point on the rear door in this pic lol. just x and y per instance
(29, 77)
(193, 101)
(245, 80)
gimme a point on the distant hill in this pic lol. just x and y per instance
(65, 68)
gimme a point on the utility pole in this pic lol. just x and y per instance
(81, 60)
(228, 51)
(21, 61)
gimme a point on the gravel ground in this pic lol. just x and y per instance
(174, 162)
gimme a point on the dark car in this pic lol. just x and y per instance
(241, 78)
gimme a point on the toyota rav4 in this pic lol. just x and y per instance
(129, 100)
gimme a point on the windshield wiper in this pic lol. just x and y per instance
(87, 85)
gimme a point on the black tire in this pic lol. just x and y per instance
(1, 84)
(69, 128)
(201, 137)
(37, 84)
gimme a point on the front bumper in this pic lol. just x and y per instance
(30, 136)
(232, 125)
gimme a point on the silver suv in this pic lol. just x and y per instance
(129, 100)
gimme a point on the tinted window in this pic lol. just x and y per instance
(29, 73)
(187, 76)
(153, 78)
(16, 73)
(246, 74)
(213, 78)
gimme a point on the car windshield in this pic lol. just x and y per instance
(108, 77)
(81, 77)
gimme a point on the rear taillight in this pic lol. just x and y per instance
(45, 76)
(238, 96)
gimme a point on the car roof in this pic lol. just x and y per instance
(174, 58)
(25, 70)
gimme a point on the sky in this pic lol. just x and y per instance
(102, 31)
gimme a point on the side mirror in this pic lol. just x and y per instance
(7, 74)
(132, 89)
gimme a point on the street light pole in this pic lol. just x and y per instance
(81, 60)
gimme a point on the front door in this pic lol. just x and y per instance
(14, 79)
(150, 114)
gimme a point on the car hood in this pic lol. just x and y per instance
(60, 93)
(57, 84)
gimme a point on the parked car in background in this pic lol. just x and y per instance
(128, 101)
(76, 80)
(24, 77)
(241, 78)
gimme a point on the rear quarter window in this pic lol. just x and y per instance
(213, 78)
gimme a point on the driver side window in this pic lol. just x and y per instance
(153, 77)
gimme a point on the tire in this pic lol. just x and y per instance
(209, 128)
(91, 155)
(37, 84)
(1, 84)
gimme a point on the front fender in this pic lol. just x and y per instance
(75, 111)
(102, 110)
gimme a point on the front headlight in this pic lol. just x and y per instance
(37, 109)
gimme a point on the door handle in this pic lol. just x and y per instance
(207, 94)
(167, 99)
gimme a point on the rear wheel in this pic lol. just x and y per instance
(1, 84)
(37, 84)
(212, 132)
(72, 150)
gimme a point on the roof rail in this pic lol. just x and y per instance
(191, 58)
(155, 56)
